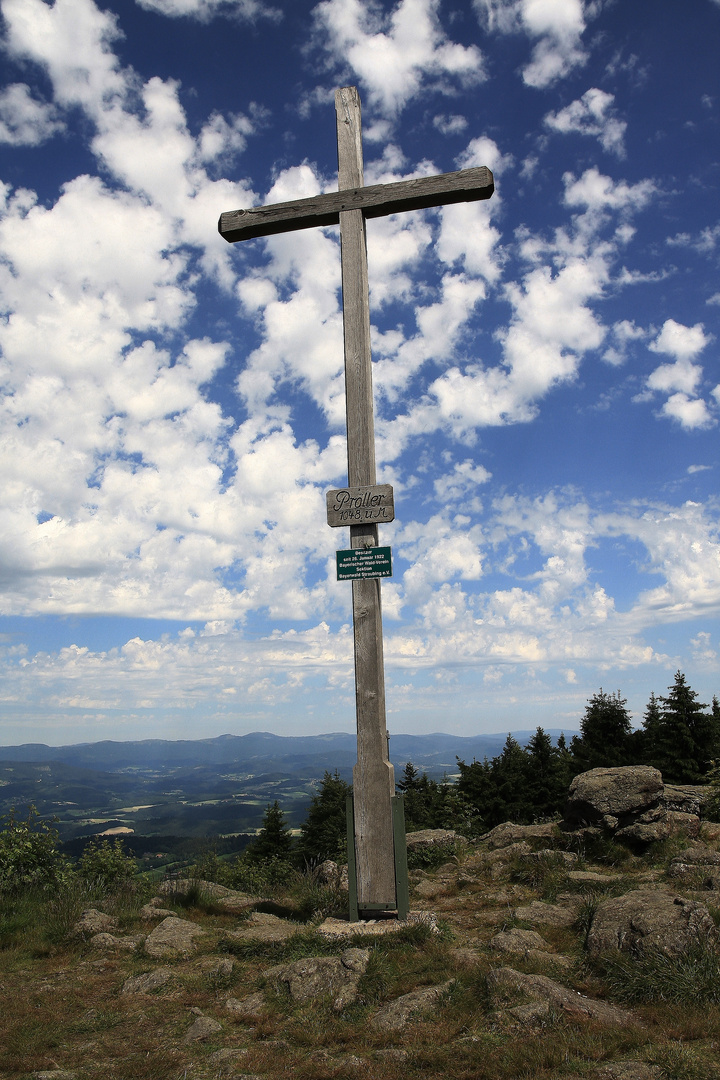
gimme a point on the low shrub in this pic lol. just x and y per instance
(106, 866)
(431, 857)
(29, 855)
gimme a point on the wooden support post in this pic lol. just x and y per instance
(373, 775)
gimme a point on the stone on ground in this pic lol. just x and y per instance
(509, 833)
(92, 922)
(429, 838)
(251, 1007)
(173, 938)
(506, 981)
(110, 941)
(322, 976)
(260, 926)
(396, 1014)
(147, 982)
(154, 911)
(338, 929)
(230, 900)
(625, 802)
(547, 914)
(650, 919)
(203, 1028)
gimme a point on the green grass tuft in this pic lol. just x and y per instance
(689, 979)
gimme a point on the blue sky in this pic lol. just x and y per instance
(545, 363)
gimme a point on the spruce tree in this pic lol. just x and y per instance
(410, 777)
(274, 840)
(421, 795)
(685, 738)
(606, 739)
(475, 788)
(650, 734)
(509, 797)
(548, 779)
(324, 831)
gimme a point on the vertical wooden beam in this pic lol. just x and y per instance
(373, 775)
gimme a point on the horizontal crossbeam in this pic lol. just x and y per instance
(377, 200)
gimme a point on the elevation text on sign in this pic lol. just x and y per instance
(352, 506)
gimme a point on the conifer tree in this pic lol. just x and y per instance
(410, 777)
(324, 831)
(650, 734)
(274, 840)
(475, 786)
(684, 741)
(548, 778)
(606, 734)
(497, 790)
(420, 797)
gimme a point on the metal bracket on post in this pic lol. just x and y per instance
(402, 889)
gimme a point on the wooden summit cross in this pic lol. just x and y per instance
(373, 775)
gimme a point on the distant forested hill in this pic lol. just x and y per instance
(202, 787)
(261, 749)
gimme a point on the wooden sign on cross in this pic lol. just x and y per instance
(373, 775)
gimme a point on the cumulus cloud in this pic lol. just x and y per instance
(556, 27)
(681, 379)
(597, 192)
(204, 10)
(396, 55)
(592, 114)
(25, 121)
(450, 125)
(624, 333)
(552, 326)
(73, 39)
(109, 443)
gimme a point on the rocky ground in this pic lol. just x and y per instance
(547, 951)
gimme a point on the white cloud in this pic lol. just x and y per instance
(450, 125)
(552, 326)
(705, 243)
(556, 26)
(459, 486)
(222, 138)
(25, 121)
(598, 192)
(682, 342)
(592, 114)
(681, 379)
(689, 412)
(683, 547)
(682, 376)
(624, 333)
(73, 39)
(204, 10)
(395, 56)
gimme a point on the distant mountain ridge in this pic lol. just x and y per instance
(262, 750)
(203, 787)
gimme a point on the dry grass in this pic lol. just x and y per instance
(62, 1008)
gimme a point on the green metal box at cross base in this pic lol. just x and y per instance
(402, 887)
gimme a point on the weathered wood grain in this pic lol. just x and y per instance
(373, 775)
(376, 200)
(350, 206)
